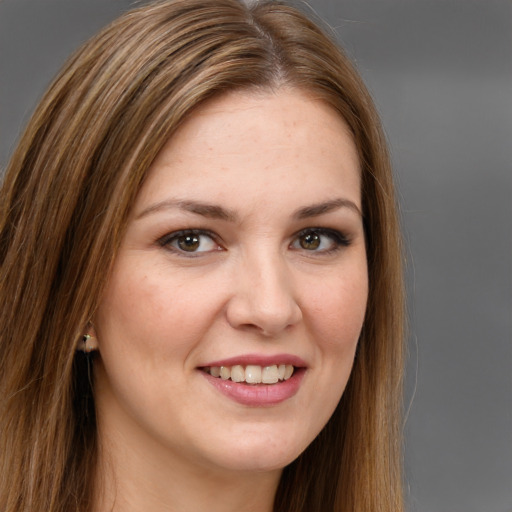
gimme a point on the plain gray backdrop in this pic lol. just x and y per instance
(441, 75)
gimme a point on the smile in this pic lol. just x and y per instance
(256, 380)
(252, 374)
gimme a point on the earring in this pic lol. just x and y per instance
(88, 344)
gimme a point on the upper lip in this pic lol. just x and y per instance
(259, 360)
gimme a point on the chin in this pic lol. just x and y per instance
(260, 455)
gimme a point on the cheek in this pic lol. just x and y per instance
(153, 313)
(337, 311)
(334, 321)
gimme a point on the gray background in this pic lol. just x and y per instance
(441, 74)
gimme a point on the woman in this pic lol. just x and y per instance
(201, 272)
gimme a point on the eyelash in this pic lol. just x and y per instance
(168, 240)
(337, 238)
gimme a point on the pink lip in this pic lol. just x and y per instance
(258, 395)
(260, 360)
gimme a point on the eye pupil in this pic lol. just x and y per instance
(189, 243)
(310, 241)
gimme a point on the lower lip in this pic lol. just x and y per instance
(258, 395)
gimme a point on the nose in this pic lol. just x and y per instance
(264, 298)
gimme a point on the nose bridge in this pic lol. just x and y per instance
(265, 292)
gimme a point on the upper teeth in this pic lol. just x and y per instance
(252, 374)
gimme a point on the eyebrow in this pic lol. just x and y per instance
(315, 210)
(213, 211)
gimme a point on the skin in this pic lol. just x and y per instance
(169, 440)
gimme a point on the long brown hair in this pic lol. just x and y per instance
(64, 206)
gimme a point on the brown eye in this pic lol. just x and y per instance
(310, 241)
(188, 243)
(319, 240)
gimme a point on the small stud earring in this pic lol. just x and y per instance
(88, 344)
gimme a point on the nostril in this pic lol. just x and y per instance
(265, 318)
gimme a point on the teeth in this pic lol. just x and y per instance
(270, 375)
(252, 374)
(237, 373)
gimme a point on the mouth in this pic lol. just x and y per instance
(256, 380)
(252, 374)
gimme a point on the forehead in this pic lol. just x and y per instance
(285, 140)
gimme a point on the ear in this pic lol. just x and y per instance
(89, 342)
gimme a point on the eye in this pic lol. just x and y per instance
(191, 241)
(319, 240)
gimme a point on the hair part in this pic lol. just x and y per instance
(64, 205)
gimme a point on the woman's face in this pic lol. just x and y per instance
(244, 261)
